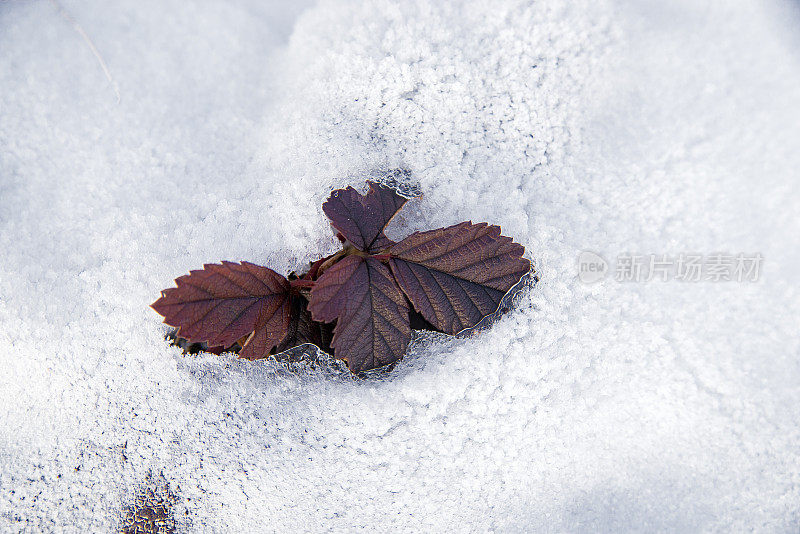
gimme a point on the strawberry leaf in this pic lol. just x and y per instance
(353, 303)
(303, 329)
(222, 303)
(457, 275)
(362, 218)
(371, 313)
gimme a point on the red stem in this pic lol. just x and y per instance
(312, 271)
(301, 283)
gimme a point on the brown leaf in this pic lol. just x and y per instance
(224, 302)
(362, 218)
(371, 313)
(457, 275)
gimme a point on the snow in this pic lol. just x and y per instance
(643, 127)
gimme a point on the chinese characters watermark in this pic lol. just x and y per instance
(684, 267)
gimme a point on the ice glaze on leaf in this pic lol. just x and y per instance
(362, 218)
(372, 328)
(224, 302)
(457, 275)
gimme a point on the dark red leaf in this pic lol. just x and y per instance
(302, 329)
(455, 276)
(222, 303)
(371, 313)
(362, 218)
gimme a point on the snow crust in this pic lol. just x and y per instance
(649, 127)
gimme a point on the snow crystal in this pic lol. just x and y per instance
(652, 128)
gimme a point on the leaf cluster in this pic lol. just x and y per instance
(358, 304)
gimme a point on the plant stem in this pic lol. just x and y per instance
(301, 283)
(333, 259)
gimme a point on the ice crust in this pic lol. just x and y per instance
(649, 127)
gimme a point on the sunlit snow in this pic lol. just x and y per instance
(650, 128)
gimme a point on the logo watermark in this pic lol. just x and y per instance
(592, 267)
(684, 267)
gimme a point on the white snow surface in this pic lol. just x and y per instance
(646, 127)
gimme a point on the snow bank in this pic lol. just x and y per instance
(636, 127)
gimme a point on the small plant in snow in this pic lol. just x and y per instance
(358, 303)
